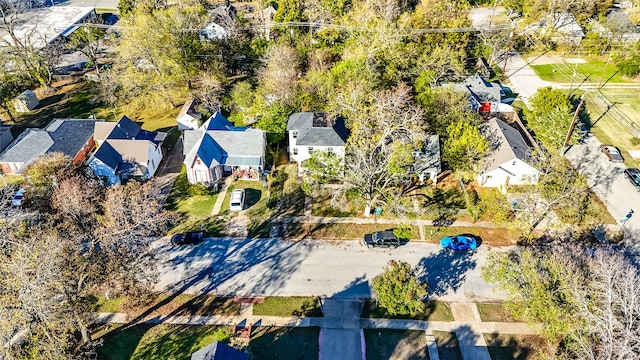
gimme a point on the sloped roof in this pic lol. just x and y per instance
(481, 89)
(70, 135)
(28, 146)
(219, 351)
(189, 108)
(428, 158)
(225, 147)
(125, 128)
(108, 155)
(137, 150)
(103, 129)
(61, 135)
(217, 121)
(506, 143)
(315, 129)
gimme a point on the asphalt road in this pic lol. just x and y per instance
(609, 183)
(523, 80)
(344, 269)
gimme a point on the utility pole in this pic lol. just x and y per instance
(604, 72)
(565, 146)
(506, 56)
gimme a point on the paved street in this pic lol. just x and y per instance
(609, 183)
(339, 269)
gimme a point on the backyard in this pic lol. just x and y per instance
(388, 344)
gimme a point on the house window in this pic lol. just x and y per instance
(330, 149)
(153, 164)
(294, 134)
(310, 149)
(295, 151)
(199, 162)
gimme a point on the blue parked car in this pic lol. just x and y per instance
(458, 242)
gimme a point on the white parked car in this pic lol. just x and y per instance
(236, 203)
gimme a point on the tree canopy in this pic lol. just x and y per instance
(399, 290)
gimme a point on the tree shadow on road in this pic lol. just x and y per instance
(446, 270)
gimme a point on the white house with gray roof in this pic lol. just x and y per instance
(218, 149)
(508, 162)
(311, 131)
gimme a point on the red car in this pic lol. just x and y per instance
(612, 152)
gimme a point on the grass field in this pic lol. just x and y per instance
(384, 344)
(278, 343)
(494, 312)
(596, 70)
(434, 311)
(339, 231)
(288, 306)
(488, 236)
(163, 305)
(448, 347)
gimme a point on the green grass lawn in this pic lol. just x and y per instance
(448, 347)
(147, 341)
(488, 236)
(597, 70)
(163, 305)
(494, 312)
(383, 344)
(515, 347)
(255, 205)
(280, 343)
(434, 311)
(288, 306)
(340, 231)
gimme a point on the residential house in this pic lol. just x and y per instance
(509, 160)
(218, 149)
(125, 151)
(427, 164)
(484, 96)
(219, 351)
(6, 136)
(562, 27)
(311, 131)
(25, 102)
(71, 137)
(188, 117)
(222, 23)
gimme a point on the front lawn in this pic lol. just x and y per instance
(340, 231)
(298, 306)
(488, 236)
(148, 341)
(164, 305)
(494, 312)
(384, 344)
(434, 311)
(281, 343)
(515, 347)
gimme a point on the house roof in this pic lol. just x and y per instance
(316, 129)
(481, 89)
(70, 135)
(125, 128)
(189, 108)
(219, 351)
(225, 147)
(217, 121)
(103, 129)
(108, 155)
(506, 143)
(67, 136)
(428, 158)
(137, 150)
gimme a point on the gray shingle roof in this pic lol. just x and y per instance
(61, 135)
(232, 147)
(481, 89)
(506, 143)
(428, 159)
(315, 129)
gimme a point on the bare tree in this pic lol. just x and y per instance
(280, 73)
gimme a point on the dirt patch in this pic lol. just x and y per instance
(237, 226)
(545, 60)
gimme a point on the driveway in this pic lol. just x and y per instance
(523, 80)
(342, 269)
(608, 182)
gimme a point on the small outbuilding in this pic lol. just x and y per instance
(26, 102)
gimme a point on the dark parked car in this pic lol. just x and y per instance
(633, 175)
(189, 238)
(612, 153)
(458, 242)
(381, 239)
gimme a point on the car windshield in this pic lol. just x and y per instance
(614, 151)
(235, 204)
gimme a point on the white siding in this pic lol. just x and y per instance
(187, 122)
(303, 151)
(155, 157)
(514, 172)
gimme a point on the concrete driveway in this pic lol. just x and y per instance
(338, 269)
(523, 80)
(608, 182)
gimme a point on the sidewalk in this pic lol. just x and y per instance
(221, 196)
